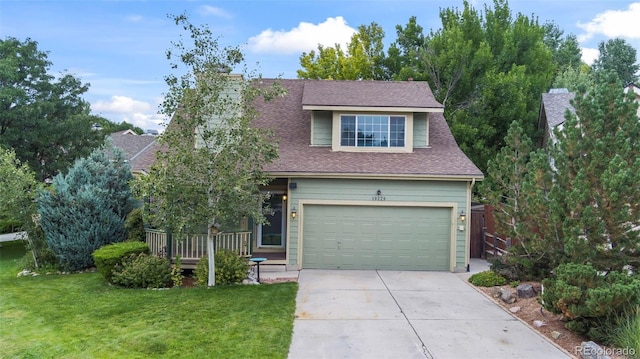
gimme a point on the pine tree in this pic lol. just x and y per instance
(595, 197)
(86, 208)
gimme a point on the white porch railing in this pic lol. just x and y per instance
(194, 246)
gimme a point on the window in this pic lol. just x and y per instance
(372, 131)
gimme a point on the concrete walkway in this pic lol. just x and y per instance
(388, 314)
(11, 236)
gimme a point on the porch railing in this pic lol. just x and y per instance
(194, 246)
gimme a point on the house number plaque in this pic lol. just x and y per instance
(378, 198)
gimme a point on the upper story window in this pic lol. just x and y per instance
(372, 131)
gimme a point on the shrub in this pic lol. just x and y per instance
(86, 208)
(520, 266)
(230, 268)
(487, 279)
(107, 257)
(590, 301)
(143, 271)
(176, 272)
(201, 272)
(624, 332)
(134, 225)
(8, 225)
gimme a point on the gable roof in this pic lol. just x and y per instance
(388, 94)
(139, 151)
(292, 126)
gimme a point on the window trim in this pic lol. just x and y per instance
(337, 133)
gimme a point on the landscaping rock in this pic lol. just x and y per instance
(591, 350)
(525, 291)
(556, 334)
(507, 296)
(514, 309)
(539, 323)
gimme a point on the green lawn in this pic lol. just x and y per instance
(81, 316)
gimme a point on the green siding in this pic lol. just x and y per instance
(419, 129)
(321, 128)
(365, 190)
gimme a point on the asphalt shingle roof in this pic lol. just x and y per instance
(554, 106)
(292, 126)
(140, 151)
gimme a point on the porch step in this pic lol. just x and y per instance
(264, 267)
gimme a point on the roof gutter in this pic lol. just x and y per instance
(472, 178)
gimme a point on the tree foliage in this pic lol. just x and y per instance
(211, 172)
(362, 60)
(87, 207)
(42, 118)
(581, 192)
(619, 56)
(214, 176)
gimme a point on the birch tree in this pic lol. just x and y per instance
(210, 169)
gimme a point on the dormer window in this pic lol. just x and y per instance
(372, 131)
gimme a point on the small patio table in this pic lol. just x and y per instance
(257, 261)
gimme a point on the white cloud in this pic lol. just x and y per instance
(215, 11)
(305, 37)
(135, 18)
(589, 55)
(120, 104)
(614, 23)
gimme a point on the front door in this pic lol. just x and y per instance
(272, 234)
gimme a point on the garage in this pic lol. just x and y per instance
(376, 237)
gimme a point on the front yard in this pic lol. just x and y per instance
(81, 316)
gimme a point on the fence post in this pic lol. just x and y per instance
(484, 243)
(495, 244)
(508, 244)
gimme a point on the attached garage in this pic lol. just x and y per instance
(376, 237)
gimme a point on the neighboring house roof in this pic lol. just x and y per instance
(139, 151)
(552, 110)
(292, 126)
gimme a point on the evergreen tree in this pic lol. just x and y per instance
(595, 197)
(86, 208)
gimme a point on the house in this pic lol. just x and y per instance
(636, 90)
(139, 151)
(553, 107)
(369, 177)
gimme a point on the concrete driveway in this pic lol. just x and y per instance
(387, 314)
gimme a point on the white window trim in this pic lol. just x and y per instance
(336, 133)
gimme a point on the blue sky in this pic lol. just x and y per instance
(118, 46)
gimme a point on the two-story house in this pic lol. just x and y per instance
(369, 177)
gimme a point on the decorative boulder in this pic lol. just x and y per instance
(507, 296)
(525, 291)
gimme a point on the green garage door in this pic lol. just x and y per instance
(376, 237)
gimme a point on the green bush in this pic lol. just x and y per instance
(107, 257)
(134, 225)
(230, 268)
(201, 272)
(8, 225)
(521, 266)
(624, 332)
(590, 301)
(143, 271)
(487, 279)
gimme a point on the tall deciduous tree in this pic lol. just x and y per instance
(87, 207)
(617, 55)
(362, 60)
(211, 172)
(488, 68)
(42, 118)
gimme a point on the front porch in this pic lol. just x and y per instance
(192, 247)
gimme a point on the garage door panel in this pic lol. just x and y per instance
(376, 237)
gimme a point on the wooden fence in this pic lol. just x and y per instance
(494, 245)
(192, 247)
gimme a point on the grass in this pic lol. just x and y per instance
(81, 316)
(626, 333)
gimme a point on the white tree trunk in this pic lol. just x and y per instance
(211, 256)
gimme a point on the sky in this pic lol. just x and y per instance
(118, 46)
